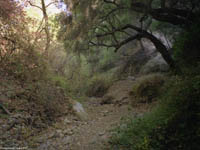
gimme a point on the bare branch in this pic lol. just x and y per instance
(103, 18)
(101, 44)
(122, 43)
(51, 3)
(34, 5)
(128, 26)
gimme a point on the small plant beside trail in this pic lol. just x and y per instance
(98, 86)
(147, 88)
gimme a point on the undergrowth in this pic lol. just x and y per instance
(98, 86)
(147, 88)
(25, 85)
(174, 123)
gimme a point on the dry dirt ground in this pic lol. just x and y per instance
(104, 114)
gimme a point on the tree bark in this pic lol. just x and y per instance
(46, 27)
(161, 48)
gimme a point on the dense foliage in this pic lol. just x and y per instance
(174, 122)
(147, 88)
(73, 53)
(24, 71)
(109, 24)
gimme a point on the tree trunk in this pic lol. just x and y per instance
(161, 48)
(46, 27)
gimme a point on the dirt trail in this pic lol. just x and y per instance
(93, 134)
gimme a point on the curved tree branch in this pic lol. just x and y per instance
(161, 48)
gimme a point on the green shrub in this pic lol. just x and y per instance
(182, 126)
(26, 66)
(98, 86)
(51, 101)
(173, 124)
(59, 81)
(147, 88)
(29, 88)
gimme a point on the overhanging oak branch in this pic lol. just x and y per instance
(141, 34)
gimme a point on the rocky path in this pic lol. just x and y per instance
(93, 133)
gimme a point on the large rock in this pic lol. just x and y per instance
(155, 64)
(79, 110)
